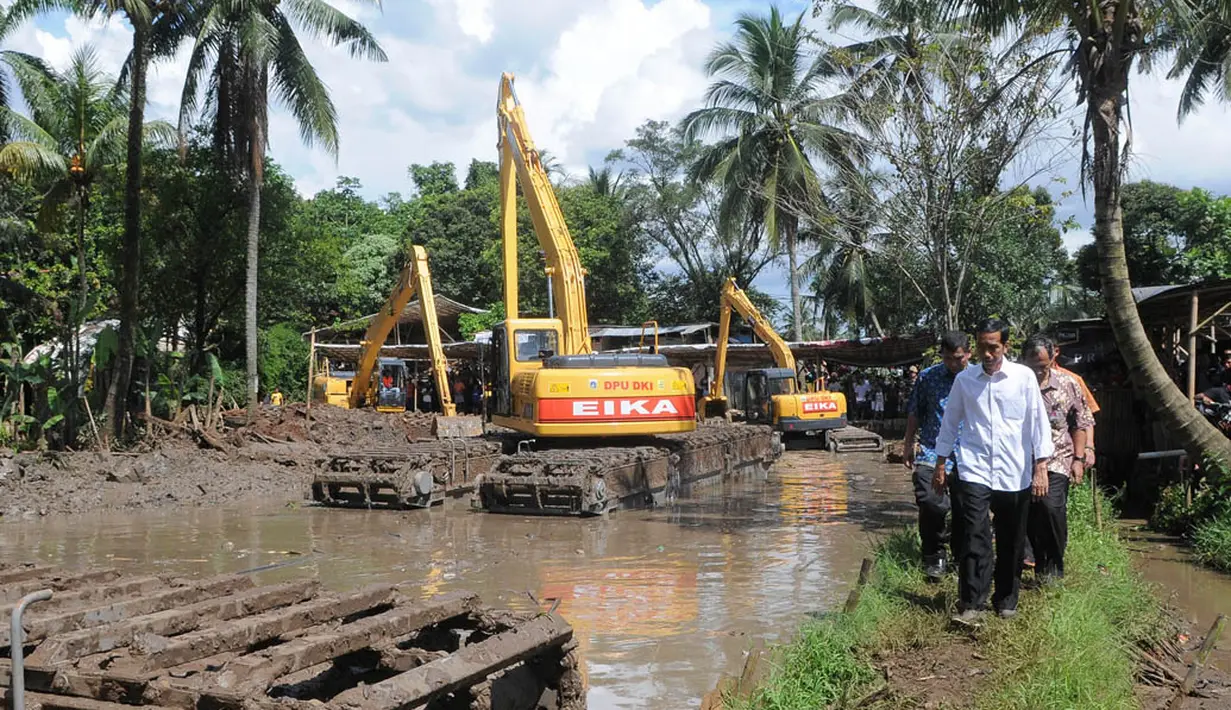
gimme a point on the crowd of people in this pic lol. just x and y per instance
(994, 448)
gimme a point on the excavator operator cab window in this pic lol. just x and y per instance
(757, 385)
(536, 344)
(781, 385)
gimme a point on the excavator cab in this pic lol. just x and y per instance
(519, 347)
(391, 386)
(761, 390)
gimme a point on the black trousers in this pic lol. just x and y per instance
(972, 502)
(1049, 527)
(933, 510)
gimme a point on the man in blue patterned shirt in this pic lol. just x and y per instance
(924, 413)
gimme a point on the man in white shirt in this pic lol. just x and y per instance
(1006, 444)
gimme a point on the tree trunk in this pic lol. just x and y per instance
(74, 347)
(130, 260)
(250, 329)
(791, 227)
(1200, 438)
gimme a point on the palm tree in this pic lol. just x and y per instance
(158, 28)
(606, 183)
(245, 49)
(77, 126)
(889, 63)
(1106, 38)
(768, 102)
(840, 268)
(22, 65)
(1203, 55)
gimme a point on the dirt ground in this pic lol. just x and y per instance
(950, 674)
(270, 460)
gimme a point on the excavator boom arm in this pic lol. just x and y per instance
(733, 297)
(518, 155)
(415, 278)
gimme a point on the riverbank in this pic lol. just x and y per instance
(1079, 644)
(271, 459)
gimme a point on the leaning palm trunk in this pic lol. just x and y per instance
(1200, 438)
(791, 227)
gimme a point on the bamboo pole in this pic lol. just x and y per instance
(311, 370)
(1194, 670)
(1192, 351)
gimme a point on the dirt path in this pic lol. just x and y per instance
(270, 460)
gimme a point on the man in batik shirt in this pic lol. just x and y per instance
(924, 412)
(1070, 420)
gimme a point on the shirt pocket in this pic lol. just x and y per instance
(1013, 408)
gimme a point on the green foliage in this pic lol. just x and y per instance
(471, 323)
(1170, 236)
(435, 179)
(1068, 647)
(1212, 540)
(284, 361)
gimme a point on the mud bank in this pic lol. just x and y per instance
(271, 460)
(1100, 639)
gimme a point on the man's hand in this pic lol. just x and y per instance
(1078, 471)
(908, 455)
(938, 476)
(1038, 486)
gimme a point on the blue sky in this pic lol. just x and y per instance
(589, 72)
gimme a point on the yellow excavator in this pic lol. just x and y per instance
(547, 381)
(598, 431)
(383, 382)
(772, 395)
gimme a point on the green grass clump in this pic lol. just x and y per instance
(1212, 541)
(1071, 644)
(1069, 647)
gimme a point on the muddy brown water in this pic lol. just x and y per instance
(663, 601)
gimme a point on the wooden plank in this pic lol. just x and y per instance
(23, 572)
(254, 673)
(37, 701)
(471, 664)
(14, 591)
(58, 649)
(78, 619)
(93, 593)
(250, 630)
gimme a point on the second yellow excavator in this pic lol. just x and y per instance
(772, 395)
(390, 390)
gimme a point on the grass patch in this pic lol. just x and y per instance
(1070, 646)
(1212, 541)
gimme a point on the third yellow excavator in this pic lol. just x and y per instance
(772, 395)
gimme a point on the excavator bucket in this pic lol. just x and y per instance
(457, 427)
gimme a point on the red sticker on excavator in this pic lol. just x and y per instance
(811, 406)
(617, 409)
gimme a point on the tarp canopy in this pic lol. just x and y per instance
(350, 353)
(447, 312)
(863, 352)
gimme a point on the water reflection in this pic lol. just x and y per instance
(662, 601)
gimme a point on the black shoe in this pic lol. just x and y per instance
(934, 571)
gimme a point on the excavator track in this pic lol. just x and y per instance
(592, 480)
(850, 438)
(418, 475)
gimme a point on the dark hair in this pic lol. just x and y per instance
(954, 340)
(994, 325)
(1039, 340)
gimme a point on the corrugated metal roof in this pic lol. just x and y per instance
(633, 331)
(350, 353)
